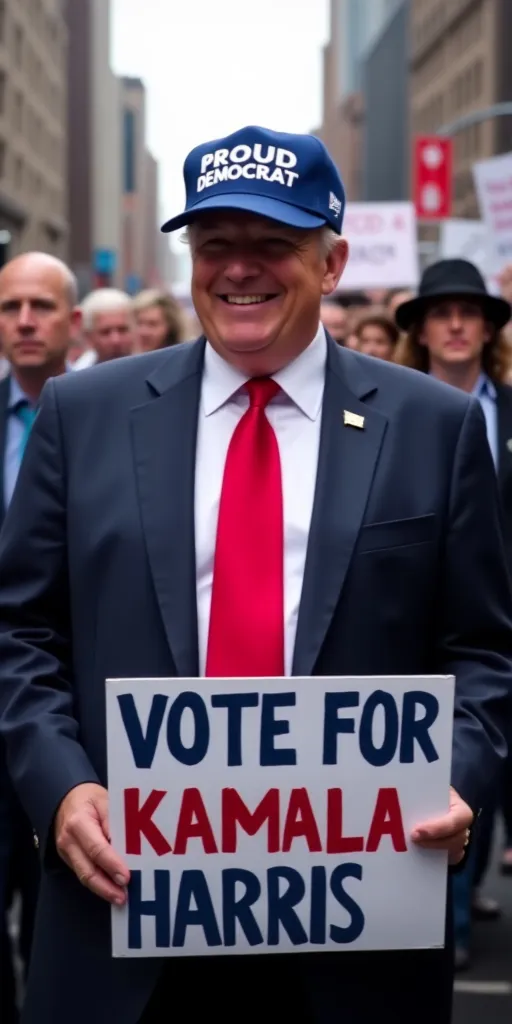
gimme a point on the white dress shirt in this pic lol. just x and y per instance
(295, 415)
(87, 359)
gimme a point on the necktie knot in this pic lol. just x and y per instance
(25, 412)
(261, 391)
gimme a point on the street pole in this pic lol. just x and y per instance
(497, 110)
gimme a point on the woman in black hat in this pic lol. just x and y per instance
(454, 331)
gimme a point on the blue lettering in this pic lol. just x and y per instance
(143, 746)
(270, 728)
(418, 728)
(235, 702)
(159, 908)
(234, 909)
(195, 753)
(379, 756)
(333, 725)
(353, 930)
(317, 921)
(280, 907)
(194, 887)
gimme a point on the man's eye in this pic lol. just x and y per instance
(214, 245)
(278, 244)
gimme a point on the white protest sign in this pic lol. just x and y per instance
(468, 240)
(493, 182)
(383, 246)
(274, 816)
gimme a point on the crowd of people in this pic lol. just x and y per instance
(70, 500)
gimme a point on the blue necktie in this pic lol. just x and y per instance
(26, 414)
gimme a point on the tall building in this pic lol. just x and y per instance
(135, 184)
(33, 123)
(386, 138)
(354, 25)
(158, 258)
(460, 63)
(94, 146)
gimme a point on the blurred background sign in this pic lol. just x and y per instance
(383, 246)
(493, 183)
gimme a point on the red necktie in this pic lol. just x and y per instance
(246, 634)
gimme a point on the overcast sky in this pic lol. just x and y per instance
(212, 66)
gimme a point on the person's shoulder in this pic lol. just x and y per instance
(403, 385)
(504, 392)
(123, 375)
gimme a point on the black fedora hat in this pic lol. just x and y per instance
(452, 279)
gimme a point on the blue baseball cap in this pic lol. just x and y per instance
(287, 178)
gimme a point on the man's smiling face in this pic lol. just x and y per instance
(257, 287)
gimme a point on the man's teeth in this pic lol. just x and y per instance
(245, 300)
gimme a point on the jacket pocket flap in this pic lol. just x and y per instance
(396, 533)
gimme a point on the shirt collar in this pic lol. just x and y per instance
(484, 388)
(301, 380)
(16, 394)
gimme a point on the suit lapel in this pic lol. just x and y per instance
(4, 401)
(347, 460)
(504, 407)
(164, 433)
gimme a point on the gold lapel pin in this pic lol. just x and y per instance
(351, 419)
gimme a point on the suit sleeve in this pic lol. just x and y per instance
(37, 723)
(475, 630)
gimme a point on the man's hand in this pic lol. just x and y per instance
(450, 832)
(82, 837)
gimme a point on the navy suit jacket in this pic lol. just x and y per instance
(405, 574)
(4, 401)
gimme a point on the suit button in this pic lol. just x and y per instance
(36, 840)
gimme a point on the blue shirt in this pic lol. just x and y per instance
(485, 391)
(14, 437)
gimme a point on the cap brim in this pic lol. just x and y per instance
(496, 310)
(262, 206)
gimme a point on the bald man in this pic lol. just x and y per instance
(38, 320)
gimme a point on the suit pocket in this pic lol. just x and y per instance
(396, 533)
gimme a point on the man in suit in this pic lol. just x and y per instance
(37, 321)
(206, 510)
(454, 331)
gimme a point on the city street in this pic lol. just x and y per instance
(484, 994)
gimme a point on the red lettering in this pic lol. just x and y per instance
(336, 841)
(194, 823)
(138, 822)
(235, 812)
(387, 821)
(300, 821)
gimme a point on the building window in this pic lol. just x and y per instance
(18, 173)
(479, 78)
(18, 45)
(130, 184)
(18, 112)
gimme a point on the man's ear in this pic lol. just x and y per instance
(335, 263)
